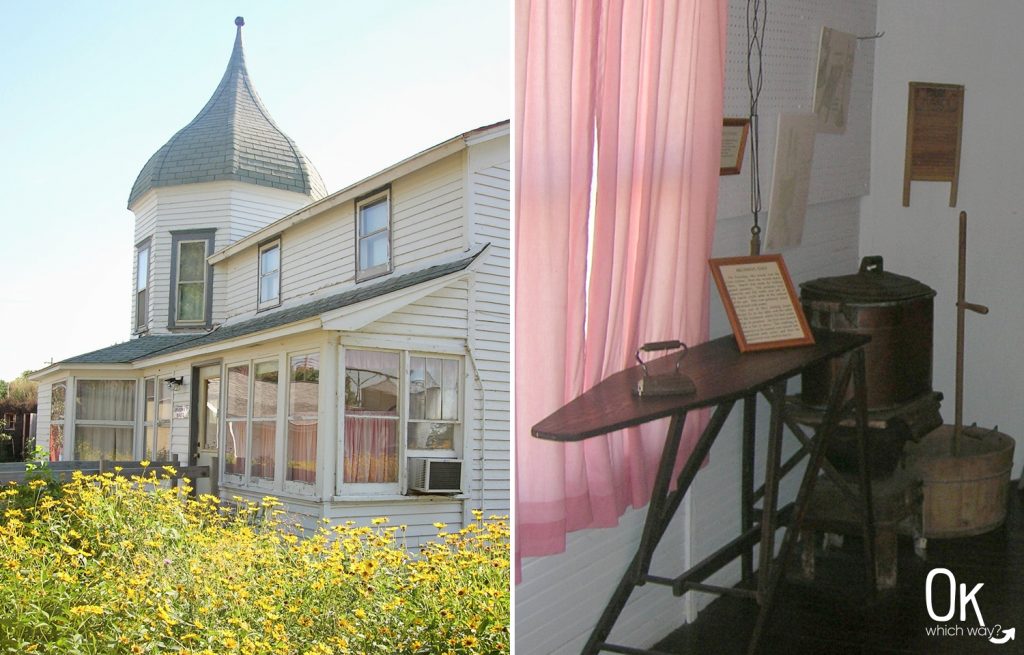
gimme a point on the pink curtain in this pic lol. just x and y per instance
(302, 450)
(371, 449)
(647, 76)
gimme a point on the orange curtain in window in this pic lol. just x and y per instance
(371, 449)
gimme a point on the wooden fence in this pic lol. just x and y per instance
(16, 471)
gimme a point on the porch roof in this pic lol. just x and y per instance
(162, 344)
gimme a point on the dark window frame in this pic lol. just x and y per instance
(177, 238)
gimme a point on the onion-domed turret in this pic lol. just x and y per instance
(232, 138)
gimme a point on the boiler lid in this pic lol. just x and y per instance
(871, 284)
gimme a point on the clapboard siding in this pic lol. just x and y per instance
(489, 190)
(427, 212)
(43, 400)
(318, 255)
(417, 515)
(443, 313)
(440, 211)
(234, 209)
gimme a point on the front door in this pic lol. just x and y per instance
(207, 424)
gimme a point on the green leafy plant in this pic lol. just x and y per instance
(117, 565)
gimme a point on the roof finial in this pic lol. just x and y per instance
(239, 21)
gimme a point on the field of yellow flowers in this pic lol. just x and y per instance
(105, 564)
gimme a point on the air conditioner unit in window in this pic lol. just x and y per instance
(435, 476)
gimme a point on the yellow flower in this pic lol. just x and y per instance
(144, 463)
(79, 610)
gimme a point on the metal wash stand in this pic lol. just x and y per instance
(724, 376)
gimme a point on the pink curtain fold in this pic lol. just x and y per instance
(301, 450)
(371, 449)
(646, 77)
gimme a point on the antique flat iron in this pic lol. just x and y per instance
(674, 383)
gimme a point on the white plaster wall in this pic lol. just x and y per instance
(561, 597)
(977, 45)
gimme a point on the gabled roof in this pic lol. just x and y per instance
(232, 138)
(152, 345)
(366, 185)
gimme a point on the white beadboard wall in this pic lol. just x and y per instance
(560, 598)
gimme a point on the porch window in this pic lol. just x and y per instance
(156, 444)
(393, 398)
(235, 424)
(57, 395)
(264, 419)
(270, 274)
(250, 444)
(303, 408)
(104, 419)
(371, 416)
(373, 235)
(433, 403)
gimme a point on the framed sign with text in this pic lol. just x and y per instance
(761, 302)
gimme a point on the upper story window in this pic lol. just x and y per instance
(373, 235)
(191, 278)
(142, 286)
(270, 274)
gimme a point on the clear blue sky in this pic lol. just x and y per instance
(89, 90)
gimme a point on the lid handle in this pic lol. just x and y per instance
(871, 264)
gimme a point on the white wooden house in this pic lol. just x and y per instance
(345, 352)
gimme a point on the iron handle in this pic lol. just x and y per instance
(661, 345)
(871, 264)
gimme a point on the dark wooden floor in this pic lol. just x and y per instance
(834, 615)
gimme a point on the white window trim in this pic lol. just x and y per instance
(388, 266)
(71, 414)
(399, 489)
(141, 422)
(62, 421)
(260, 274)
(298, 487)
(246, 481)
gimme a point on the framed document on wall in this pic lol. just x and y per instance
(734, 142)
(761, 302)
